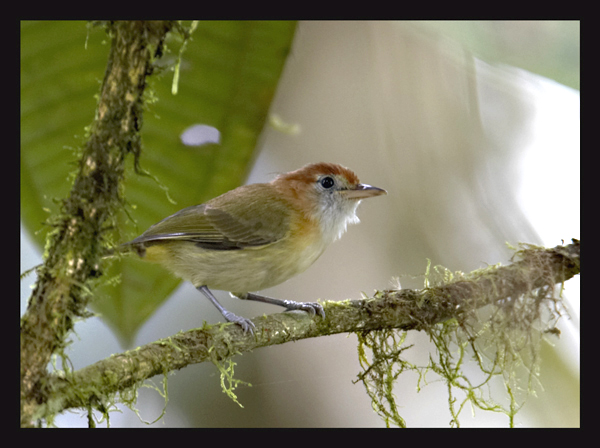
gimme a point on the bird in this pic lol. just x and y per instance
(258, 235)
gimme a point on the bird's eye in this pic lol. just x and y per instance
(327, 182)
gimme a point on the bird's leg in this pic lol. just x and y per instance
(310, 307)
(246, 324)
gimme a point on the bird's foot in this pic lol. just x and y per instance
(311, 308)
(246, 324)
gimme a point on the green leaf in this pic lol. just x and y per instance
(547, 47)
(228, 76)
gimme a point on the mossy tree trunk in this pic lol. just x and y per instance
(74, 246)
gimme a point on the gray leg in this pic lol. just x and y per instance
(246, 324)
(311, 307)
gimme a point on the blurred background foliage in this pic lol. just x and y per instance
(472, 127)
(548, 48)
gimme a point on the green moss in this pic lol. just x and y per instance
(130, 397)
(228, 383)
(382, 370)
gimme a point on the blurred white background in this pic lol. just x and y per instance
(473, 154)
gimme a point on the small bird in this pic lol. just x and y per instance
(259, 235)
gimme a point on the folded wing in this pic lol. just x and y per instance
(224, 223)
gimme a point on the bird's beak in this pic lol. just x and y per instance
(362, 191)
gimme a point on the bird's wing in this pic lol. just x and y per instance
(224, 223)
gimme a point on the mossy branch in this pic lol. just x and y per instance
(390, 309)
(75, 244)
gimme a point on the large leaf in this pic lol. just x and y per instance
(229, 73)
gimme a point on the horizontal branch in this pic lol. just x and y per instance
(403, 309)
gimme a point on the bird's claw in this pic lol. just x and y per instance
(310, 307)
(246, 324)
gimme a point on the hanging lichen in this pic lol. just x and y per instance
(494, 330)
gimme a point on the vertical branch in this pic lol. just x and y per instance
(74, 246)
